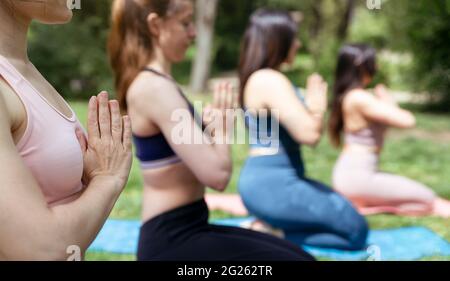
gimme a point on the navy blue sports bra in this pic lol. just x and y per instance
(155, 151)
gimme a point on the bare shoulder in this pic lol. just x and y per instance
(262, 85)
(151, 91)
(267, 77)
(357, 99)
(148, 85)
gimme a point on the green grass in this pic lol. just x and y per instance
(424, 160)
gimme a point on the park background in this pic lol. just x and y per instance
(412, 39)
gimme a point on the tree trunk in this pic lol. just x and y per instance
(317, 22)
(206, 16)
(346, 19)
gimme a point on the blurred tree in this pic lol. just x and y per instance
(346, 19)
(206, 11)
(423, 27)
(232, 18)
(325, 26)
(73, 56)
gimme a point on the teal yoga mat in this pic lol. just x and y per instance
(407, 243)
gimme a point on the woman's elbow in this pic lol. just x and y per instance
(218, 181)
(408, 121)
(310, 137)
(313, 140)
(411, 121)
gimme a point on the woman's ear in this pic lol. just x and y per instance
(367, 79)
(154, 24)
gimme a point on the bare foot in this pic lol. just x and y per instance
(263, 227)
(369, 211)
(442, 208)
(412, 209)
(406, 210)
(230, 203)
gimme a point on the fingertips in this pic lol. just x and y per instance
(222, 93)
(103, 95)
(116, 120)
(225, 95)
(93, 104)
(103, 98)
(93, 128)
(236, 100)
(325, 86)
(229, 96)
(216, 96)
(104, 115)
(114, 104)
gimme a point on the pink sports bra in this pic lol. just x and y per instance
(49, 146)
(371, 136)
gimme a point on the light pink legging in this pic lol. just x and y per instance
(356, 176)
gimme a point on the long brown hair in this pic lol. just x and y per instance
(354, 62)
(266, 43)
(130, 43)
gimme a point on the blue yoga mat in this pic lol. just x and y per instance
(408, 243)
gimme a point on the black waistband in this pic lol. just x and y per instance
(180, 219)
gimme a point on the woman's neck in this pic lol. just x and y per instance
(13, 34)
(160, 63)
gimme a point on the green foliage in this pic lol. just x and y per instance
(232, 19)
(423, 27)
(73, 56)
(370, 26)
(411, 36)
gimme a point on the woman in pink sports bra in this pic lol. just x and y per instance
(57, 188)
(363, 118)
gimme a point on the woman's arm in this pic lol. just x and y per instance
(209, 159)
(383, 109)
(31, 230)
(274, 91)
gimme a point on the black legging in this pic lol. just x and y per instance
(184, 234)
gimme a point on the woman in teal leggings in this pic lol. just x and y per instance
(273, 184)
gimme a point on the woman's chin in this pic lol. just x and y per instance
(178, 59)
(60, 18)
